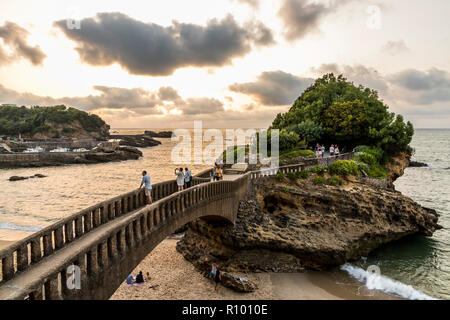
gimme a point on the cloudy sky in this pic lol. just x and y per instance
(230, 63)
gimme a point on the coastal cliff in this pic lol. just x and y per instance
(396, 167)
(290, 226)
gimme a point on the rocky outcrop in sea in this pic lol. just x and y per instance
(291, 226)
(138, 140)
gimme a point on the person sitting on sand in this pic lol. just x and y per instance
(130, 280)
(140, 278)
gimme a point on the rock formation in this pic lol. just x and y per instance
(18, 178)
(396, 167)
(162, 134)
(43, 159)
(416, 164)
(138, 141)
(292, 226)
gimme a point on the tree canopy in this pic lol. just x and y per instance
(338, 112)
(30, 121)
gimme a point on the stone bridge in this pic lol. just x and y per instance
(108, 240)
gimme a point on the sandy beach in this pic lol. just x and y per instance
(4, 244)
(174, 278)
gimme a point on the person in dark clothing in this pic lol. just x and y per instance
(140, 278)
(217, 279)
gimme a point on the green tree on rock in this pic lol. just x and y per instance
(348, 115)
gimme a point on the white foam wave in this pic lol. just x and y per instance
(60, 150)
(10, 226)
(34, 150)
(374, 281)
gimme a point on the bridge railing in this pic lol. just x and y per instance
(308, 163)
(26, 252)
(126, 235)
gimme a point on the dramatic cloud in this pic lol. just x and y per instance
(168, 94)
(395, 47)
(301, 17)
(135, 100)
(358, 74)
(424, 87)
(151, 49)
(274, 88)
(422, 80)
(412, 87)
(14, 37)
(199, 106)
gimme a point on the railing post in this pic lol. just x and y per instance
(130, 203)
(48, 248)
(112, 246)
(131, 235)
(92, 262)
(104, 214)
(111, 211)
(183, 202)
(37, 294)
(59, 238)
(87, 221)
(154, 219)
(22, 257)
(8, 267)
(97, 217)
(36, 251)
(103, 254)
(151, 218)
(69, 231)
(51, 289)
(144, 225)
(124, 205)
(78, 226)
(122, 241)
(164, 212)
(117, 209)
(137, 231)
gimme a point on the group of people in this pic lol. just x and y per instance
(320, 150)
(138, 280)
(183, 178)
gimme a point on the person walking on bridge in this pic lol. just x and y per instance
(180, 178)
(146, 182)
(187, 177)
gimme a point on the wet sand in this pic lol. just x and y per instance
(175, 278)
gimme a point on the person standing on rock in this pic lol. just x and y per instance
(187, 177)
(146, 181)
(180, 178)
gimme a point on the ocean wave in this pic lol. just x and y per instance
(10, 226)
(374, 281)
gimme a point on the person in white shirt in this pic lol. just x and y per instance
(148, 186)
(332, 150)
(180, 178)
